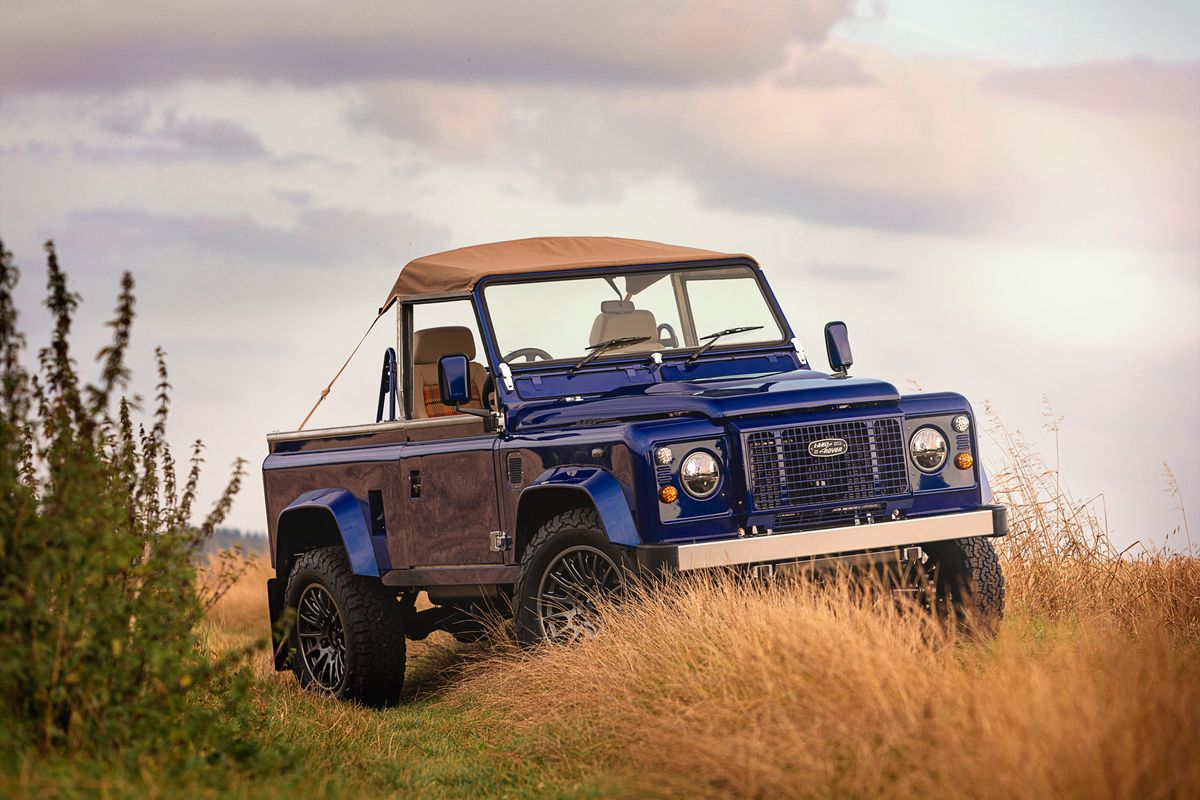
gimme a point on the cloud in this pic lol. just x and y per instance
(1135, 86)
(87, 46)
(922, 145)
(453, 121)
(211, 137)
(326, 237)
(927, 150)
(139, 133)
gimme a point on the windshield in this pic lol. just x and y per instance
(672, 310)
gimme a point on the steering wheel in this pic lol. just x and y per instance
(530, 354)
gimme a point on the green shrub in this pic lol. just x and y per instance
(99, 603)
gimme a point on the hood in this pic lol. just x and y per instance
(716, 399)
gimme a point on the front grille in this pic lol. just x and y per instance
(783, 474)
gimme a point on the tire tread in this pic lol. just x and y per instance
(373, 622)
(545, 540)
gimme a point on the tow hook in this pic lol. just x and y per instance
(763, 571)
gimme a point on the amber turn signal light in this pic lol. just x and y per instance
(668, 494)
(964, 461)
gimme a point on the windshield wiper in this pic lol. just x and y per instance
(598, 349)
(713, 337)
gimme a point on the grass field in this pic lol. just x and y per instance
(724, 688)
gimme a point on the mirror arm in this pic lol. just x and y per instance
(492, 420)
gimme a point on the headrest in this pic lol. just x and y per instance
(614, 326)
(431, 344)
(616, 307)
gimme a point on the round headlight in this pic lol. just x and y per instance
(700, 474)
(960, 423)
(928, 450)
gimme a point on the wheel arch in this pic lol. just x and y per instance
(325, 518)
(565, 488)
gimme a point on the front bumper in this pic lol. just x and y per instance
(783, 547)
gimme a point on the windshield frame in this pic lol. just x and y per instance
(682, 352)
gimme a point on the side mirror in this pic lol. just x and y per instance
(837, 344)
(454, 380)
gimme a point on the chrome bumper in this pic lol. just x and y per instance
(782, 547)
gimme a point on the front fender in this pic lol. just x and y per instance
(603, 489)
(338, 511)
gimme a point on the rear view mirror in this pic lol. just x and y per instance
(454, 380)
(837, 345)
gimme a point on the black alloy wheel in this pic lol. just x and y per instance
(347, 639)
(321, 637)
(572, 583)
(568, 570)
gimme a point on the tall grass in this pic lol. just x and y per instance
(724, 689)
(1060, 560)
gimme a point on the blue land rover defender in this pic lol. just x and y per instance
(560, 415)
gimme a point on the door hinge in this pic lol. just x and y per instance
(501, 541)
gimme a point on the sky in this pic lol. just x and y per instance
(999, 198)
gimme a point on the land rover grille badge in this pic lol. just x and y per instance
(828, 448)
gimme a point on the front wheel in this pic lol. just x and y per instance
(567, 569)
(348, 636)
(970, 583)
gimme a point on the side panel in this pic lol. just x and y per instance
(448, 496)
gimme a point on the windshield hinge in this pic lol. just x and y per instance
(506, 375)
(800, 352)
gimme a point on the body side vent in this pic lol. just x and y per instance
(513, 470)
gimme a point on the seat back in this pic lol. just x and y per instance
(618, 319)
(429, 345)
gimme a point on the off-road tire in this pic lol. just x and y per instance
(970, 583)
(372, 622)
(580, 526)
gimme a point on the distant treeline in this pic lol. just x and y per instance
(253, 543)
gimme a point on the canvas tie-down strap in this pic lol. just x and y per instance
(325, 391)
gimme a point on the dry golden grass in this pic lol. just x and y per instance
(723, 688)
(1061, 561)
(242, 608)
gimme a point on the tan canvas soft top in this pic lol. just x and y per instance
(459, 270)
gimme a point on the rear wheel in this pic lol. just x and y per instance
(348, 637)
(969, 582)
(567, 569)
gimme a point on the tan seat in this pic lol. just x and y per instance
(429, 345)
(618, 319)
